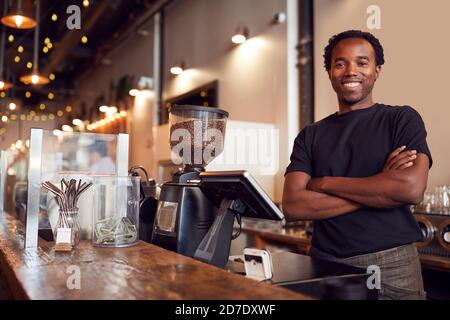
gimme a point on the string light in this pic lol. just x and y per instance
(13, 117)
(16, 59)
(10, 38)
(47, 40)
(85, 3)
(29, 64)
(3, 94)
(51, 95)
(12, 106)
(49, 45)
(59, 113)
(23, 117)
(4, 118)
(45, 49)
(54, 17)
(68, 109)
(51, 76)
(84, 39)
(51, 116)
(32, 113)
(20, 49)
(27, 94)
(42, 106)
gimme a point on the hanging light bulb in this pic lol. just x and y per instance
(34, 78)
(4, 85)
(18, 17)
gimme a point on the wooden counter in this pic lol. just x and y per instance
(143, 271)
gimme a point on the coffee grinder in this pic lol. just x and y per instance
(184, 214)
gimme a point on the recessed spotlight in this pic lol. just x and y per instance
(134, 92)
(177, 68)
(241, 35)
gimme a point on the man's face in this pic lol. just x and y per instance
(353, 70)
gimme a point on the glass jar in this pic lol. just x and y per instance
(116, 211)
(68, 220)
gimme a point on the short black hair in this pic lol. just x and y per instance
(334, 40)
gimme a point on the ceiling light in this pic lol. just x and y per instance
(134, 92)
(12, 106)
(20, 17)
(35, 78)
(67, 128)
(177, 68)
(241, 35)
(112, 109)
(4, 85)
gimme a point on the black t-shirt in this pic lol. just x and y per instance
(357, 144)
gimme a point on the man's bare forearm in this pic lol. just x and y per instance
(382, 190)
(311, 205)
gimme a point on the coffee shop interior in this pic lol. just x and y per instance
(92, 91)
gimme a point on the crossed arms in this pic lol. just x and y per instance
(402, 181)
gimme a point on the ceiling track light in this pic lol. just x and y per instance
(19, 17)
(240, 35)
(178, 68)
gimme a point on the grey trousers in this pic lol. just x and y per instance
(401, 273)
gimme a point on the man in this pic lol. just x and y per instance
(357, 171)
(99, 160)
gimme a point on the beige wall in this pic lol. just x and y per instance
(414, 35)
(252, 76)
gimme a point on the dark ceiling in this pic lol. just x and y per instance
(103, 22)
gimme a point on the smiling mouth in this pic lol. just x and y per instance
(351, 84)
